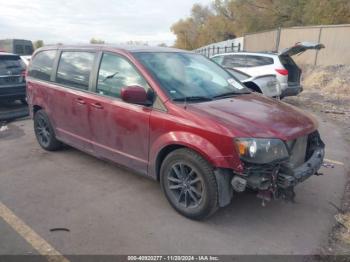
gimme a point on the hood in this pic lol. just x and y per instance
(257, 116)
(301, 47)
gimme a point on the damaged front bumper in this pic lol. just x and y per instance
(277, 180)
(288, 177)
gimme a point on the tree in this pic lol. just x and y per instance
(38, 43)
(163, 45)
(226, 19)
(96, 41)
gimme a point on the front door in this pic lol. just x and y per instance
(120, 131)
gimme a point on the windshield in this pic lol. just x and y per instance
(184, 76)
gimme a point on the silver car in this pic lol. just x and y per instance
(280, 64)
(265, 84)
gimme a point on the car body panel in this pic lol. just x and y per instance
(267, 84)
(301, 47)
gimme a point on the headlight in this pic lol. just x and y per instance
(261, 151)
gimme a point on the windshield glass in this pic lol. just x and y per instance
(186, 75)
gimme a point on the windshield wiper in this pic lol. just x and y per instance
(230, 94)
(193, 98)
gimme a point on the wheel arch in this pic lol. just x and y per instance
(167, 143)
(253, 86)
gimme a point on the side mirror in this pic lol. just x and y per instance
(135, 95)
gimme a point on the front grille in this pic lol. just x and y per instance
(256, 169)
(8, 80)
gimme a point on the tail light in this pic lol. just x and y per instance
(283, 72)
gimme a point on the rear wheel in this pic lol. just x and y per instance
(44, 132)
(189, 184)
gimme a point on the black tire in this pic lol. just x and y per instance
(189, 184)
(44, 132)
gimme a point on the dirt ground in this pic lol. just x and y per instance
(327, 93)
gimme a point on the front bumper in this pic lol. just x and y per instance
(289, 177)
(13, 91)
(278, 179)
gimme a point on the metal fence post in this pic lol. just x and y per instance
(319, 40)
(278, 39)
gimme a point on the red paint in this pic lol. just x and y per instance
(133, 135)
(283, 72)
(134, 94)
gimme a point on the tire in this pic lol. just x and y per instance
(44, 132)
(189, 184)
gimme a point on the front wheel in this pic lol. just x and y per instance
(189, 184)
(44, 132)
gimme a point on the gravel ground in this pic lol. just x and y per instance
(327, 93)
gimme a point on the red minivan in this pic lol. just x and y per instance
(174, 116)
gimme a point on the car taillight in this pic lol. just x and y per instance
(283, 72)
(24, 73)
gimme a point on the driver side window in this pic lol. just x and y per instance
(115, 73)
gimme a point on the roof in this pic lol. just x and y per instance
(128, 48)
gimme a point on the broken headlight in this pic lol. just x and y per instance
(261, 151)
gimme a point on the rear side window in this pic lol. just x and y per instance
(234, 61)
(258, 61)
(42, 64)
(247, 61)
(74, 69)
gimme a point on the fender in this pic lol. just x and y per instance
(197, 143)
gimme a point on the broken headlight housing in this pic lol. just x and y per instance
(261, 150)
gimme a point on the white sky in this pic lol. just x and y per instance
(77, 21)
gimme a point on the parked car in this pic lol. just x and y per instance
(280, 64)
(12, 78)
(174, 116)
(26, 59)
(265, 84)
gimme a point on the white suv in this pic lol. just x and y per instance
(281, 64)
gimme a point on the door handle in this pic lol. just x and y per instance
(97, 105)
(80, 101)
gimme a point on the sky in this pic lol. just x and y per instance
(77, 21)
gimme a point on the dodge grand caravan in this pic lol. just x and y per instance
(174, 116)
